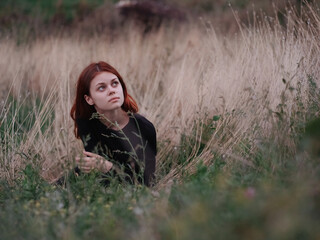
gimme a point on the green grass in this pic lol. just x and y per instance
(278, 198)
(262, 183)
(216, 202)
(19, 116)
(46, 11)
(20, 12)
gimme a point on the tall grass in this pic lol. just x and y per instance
(230, 113)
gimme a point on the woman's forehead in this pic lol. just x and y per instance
(104, 76)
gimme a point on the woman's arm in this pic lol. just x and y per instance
(151, 152)
(92, 161)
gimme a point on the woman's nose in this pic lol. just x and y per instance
(111, 91)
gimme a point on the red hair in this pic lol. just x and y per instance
(80, 108)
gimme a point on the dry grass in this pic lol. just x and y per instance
(179, 77)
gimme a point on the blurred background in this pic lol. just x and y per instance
(232, 88)
(34, 18)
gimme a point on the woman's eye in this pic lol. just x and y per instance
(100, 88)
(114, 84)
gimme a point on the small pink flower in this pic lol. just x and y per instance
(250, 192)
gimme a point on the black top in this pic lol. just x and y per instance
(130, 149)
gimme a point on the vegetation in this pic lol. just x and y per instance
(29, 19)
(237, 119)
(45, 11)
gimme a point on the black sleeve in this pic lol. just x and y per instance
(150, 164)
(153, 140)
(86, 135)
(149, 133)
(90, 142)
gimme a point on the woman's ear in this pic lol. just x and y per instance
(88, 99)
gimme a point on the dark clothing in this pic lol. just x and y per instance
(131, 149)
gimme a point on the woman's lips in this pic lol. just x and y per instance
(114, 99)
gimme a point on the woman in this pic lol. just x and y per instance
(117, 140)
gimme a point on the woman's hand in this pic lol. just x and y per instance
(92, 161)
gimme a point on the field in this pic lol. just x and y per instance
(238, 130)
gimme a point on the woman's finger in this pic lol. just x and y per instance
(89, 159)
(85, 168)
(85, 164)
(77, 159)
(90, 154)
(88, 162)
(81, 161)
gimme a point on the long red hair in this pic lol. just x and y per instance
(80, 108)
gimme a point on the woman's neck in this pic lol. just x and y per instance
(115, 119)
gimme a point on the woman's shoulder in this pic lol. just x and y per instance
(148, 131)
(143, 121)
(84, 121)
(86, 125)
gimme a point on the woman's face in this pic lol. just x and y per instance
(106, 93)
